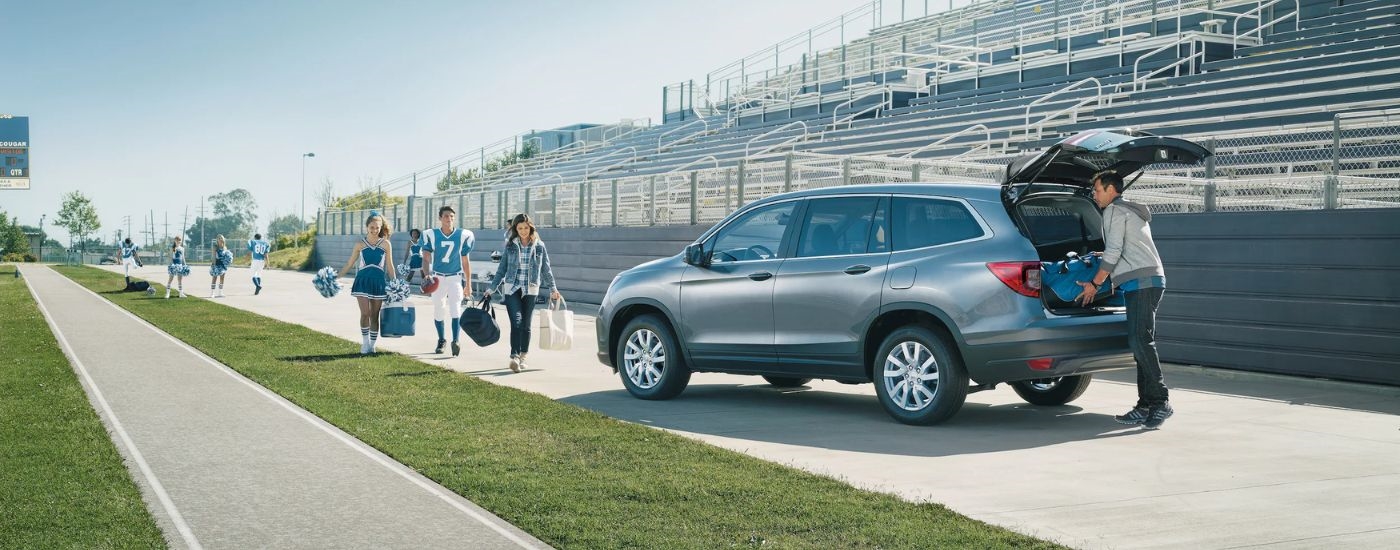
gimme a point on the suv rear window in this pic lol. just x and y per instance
(918, 223)
(1059, 220)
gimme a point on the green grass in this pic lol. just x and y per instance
(62, 482)
(572, 477)
(296, 259)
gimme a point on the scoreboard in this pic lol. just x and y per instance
(14, 152)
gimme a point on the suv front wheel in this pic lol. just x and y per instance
(652, 367)
(917, 378)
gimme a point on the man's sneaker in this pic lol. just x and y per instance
(441, 343)
(1134, 417)
(456, 348)
(257, 290)
(1158, 415)
(514, 364)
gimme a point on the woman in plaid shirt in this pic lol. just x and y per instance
(522, 272)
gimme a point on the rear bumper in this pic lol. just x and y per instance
(1072, 347)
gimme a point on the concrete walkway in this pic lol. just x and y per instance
(224, 463)
(1248, 460)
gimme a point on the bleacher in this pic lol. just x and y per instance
(1274, 86)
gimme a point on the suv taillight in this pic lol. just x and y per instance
(1022, 277)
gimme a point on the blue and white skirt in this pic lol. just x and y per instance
(370, 283)
(217, 268)
(178, 270)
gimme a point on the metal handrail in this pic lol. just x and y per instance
(700, 120)
(805, 132)
(1140, 82)
(882, 91)
(587, 167)
(694, 162)
(541, 181)
(949, 137)
(1259, 19)
(1098, 97)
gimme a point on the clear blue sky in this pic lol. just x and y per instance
(150, 105)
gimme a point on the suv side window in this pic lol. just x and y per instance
(757, 235)
(837, 226)
(918, 223)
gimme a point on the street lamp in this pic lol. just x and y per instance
(304, 156)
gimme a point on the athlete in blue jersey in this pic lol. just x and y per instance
(445, 255)
(129, 259)
(259, 249)
(373, 253)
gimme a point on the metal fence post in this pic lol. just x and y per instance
(914, 172)
(411, 204)
(728, 190)
(481, 208)
(694, 198)
(526, 191)
(845, 171)
(743, 174)
(554, 199)
(787, 172)
(1330, 190)
(651, 204)
(614, 203)
(581, 202)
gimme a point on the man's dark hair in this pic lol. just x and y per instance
(257, 236)
(127, 240)
(1110, 178)
(446, 208)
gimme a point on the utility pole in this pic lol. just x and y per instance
(202, 221)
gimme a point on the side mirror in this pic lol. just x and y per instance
(695, 255)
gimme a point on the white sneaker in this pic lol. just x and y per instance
(167, 294)
(514, 363)
(521, 360)
(221, 293)
(182, 293)
(364, 349)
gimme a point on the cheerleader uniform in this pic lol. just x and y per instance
(222, 260)
(178, 267)
(370, 280)
(415, 259)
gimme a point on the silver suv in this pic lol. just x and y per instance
(931, 291)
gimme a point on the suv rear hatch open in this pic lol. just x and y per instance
(1050, 194)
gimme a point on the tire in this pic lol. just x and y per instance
(940, 398)
(659, 372)
(786, 381)
(1052, 391)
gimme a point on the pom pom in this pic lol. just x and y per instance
(402, 269)
(397, 290)
(326, 283)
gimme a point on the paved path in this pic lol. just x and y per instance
(224, 463)
(1247, 460)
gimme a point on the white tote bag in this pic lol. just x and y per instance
(557, 326)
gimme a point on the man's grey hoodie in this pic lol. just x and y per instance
(1129, 253)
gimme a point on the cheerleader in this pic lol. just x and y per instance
(374, 254)
(414, 261)
(223, 257)
(177, 268)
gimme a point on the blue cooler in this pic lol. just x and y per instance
(397, 320)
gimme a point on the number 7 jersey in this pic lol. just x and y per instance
(447, 249)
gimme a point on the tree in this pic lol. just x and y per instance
(12, 237)
(369, 197)
(325, 193)
(78, 216)
(238, 209)
(285, 225)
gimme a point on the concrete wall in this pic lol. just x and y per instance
(1311, 292)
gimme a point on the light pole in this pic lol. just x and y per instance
(304, 156)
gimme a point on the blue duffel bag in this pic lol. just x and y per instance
(1061, 281)
(397, 320)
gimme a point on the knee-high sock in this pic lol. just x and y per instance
(438, 324)
(456, 328)
(373, 339)
(364, 336)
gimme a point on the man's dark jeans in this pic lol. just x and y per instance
(520, 309)
(1142, 339)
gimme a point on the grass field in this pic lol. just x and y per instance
(62, 482)
(572, 477)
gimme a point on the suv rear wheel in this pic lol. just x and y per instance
(917, 378)
(1052, 391)
(652, 367)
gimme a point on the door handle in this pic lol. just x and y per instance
(857, 269)
(761, 276)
